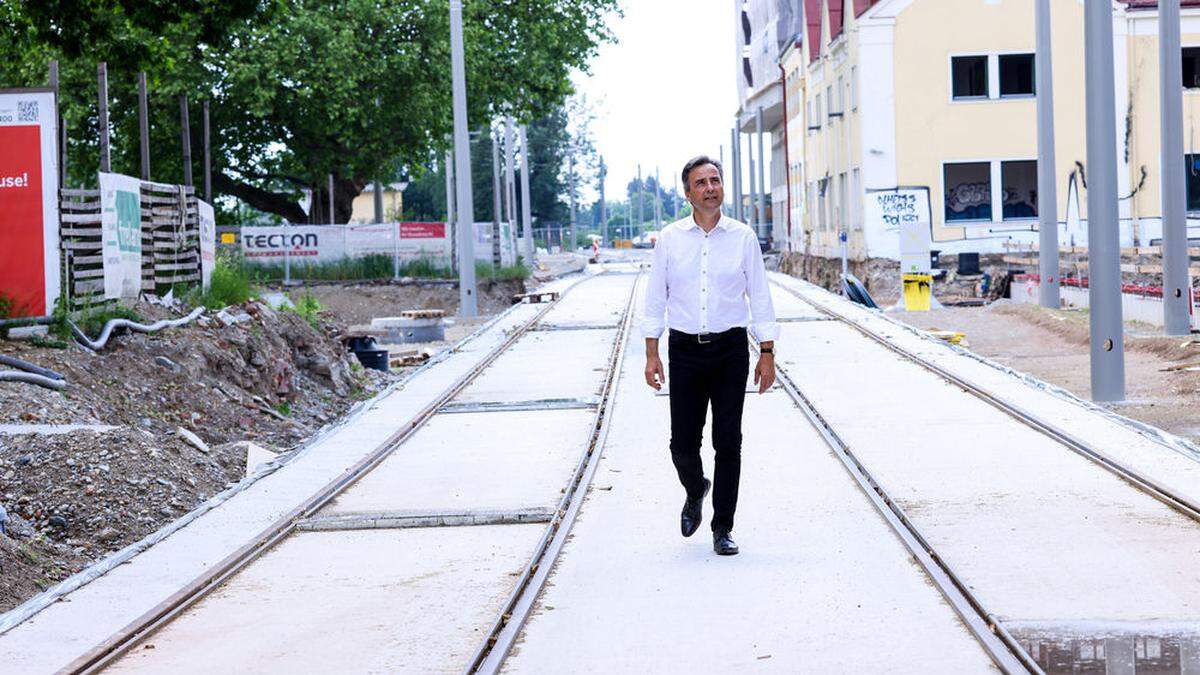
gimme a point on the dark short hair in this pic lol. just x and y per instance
(700, 160)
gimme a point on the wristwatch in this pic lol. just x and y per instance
(766, 350)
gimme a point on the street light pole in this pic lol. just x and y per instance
(496, 205)
(572, 240)
(467, 303)
(1104, 254)
(1177, 284)
(1048, 293)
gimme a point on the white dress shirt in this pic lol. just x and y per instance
(708, 282)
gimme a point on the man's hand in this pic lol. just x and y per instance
(655, 377)
(764, 372)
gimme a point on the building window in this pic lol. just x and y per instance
(968, 190)
(970, 76)
(1192, 175)
(1018, 182)
(829, 100)
(853, 88)
(1191, 67)
(841, 99)
(1016, 75)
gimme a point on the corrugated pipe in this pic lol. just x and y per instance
(30, 373)
(32, 378)
(102, 340)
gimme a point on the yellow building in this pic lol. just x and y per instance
(935, 100)
(393, 204)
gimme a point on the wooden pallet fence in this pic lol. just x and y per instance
(81, 248)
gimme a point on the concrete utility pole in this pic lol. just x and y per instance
(448, 168)
(763, 186)
(735, 155)
(603, 204)
(510, 180)
(752, 207)
(641, 198)
(571, 242)
(378, 201)
(526, 207)
(1177, 283)
(185, 139)
(1048, 294)
(207, 156)
(102, 81)
(496, 205)
(1104, 291)
(144, 124)
(657, 201)
(467, 303)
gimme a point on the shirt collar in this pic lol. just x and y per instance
(690, 223)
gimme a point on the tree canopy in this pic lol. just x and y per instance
(299, 89)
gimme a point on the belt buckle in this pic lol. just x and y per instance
(700, 338)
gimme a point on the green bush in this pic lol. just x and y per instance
(6, 306)
(91, 320)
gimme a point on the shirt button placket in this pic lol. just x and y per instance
(704, 287)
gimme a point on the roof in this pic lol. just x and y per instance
(837, 11)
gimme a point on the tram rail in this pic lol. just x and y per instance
(135, 633)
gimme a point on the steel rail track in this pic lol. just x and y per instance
(1138, 480)
(121, 642)
(490, 655)
(999, 644)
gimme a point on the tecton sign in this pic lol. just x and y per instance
(29, 277)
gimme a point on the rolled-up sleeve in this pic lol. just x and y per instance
(654, 309)
(762, 310)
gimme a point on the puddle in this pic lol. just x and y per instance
(1111, 648)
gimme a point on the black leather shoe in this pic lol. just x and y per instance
(693, 512)
(723, 543)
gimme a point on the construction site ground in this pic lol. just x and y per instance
(75, 494)
(1162, 374)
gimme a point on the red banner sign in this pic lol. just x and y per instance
(22, 243)
(422, 230)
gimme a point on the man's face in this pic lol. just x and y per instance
(704, 188)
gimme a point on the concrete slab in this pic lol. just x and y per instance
(1039, 532)
(394, 601)
(821, 585)
(487, 460)
(548, 364)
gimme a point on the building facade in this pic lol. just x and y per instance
(934, 102)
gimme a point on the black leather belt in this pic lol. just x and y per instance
(706, 338)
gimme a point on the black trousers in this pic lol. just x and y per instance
(702, 374)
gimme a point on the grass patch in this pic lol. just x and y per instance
(6, 306)
(232, 284)
(309, 309)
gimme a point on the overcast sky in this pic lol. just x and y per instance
(665, 91)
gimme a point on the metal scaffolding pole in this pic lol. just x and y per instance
(185, 139)
(1047, 206)
(526, 207)
(1177, 283)
(207, 155)
(762, 176)
(144, 124)
(102, 93)
(1104, 284)
(467, 303)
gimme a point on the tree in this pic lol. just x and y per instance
(301, 89)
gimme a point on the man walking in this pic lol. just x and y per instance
(706, 284)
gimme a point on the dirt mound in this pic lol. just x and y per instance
(247, 373)
(1073, 327)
